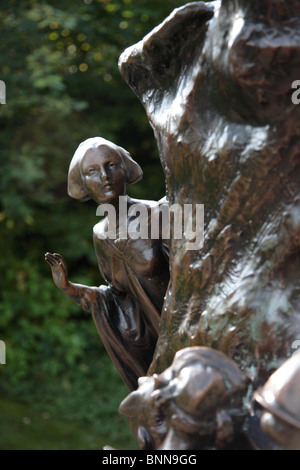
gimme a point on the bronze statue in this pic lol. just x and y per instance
(197, 403)
(215, 79)
(127, 311)
(279, 399)
(228, 138)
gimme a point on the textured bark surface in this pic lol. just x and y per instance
(215, 80)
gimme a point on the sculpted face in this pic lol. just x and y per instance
(188, 406)
(103, 174)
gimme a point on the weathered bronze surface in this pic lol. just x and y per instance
(215, 80)
(279, 398)
(197, 403)
(127, 311)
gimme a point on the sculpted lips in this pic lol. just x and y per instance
(107, 185)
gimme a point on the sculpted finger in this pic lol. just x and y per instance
(58, 259)
(61, 260)
(50, 259)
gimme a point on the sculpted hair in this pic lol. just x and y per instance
(76, 187)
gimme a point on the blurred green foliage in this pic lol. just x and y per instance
(59, 62)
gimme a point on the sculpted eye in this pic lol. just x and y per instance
(91, 171)
(112, 164)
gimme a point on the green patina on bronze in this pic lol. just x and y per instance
(215, 81)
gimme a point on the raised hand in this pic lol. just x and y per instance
(59, 270)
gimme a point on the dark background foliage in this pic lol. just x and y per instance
(59, 61)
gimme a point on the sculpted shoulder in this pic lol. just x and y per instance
(153, 206)
(100, 229)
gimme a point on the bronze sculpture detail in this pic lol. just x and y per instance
(279, 398)
(127, 311)
(232, 145)
(197, 403)
(215, 80)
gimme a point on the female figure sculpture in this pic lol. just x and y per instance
(127, 311)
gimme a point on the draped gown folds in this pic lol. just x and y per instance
(127, 311)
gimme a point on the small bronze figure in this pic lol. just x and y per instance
(196, 403)
(279, 398)
(127, 311)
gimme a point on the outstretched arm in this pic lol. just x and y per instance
(84, 296)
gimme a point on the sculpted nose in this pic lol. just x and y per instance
(104, 174)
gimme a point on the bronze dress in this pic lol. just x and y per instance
(127, 314)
